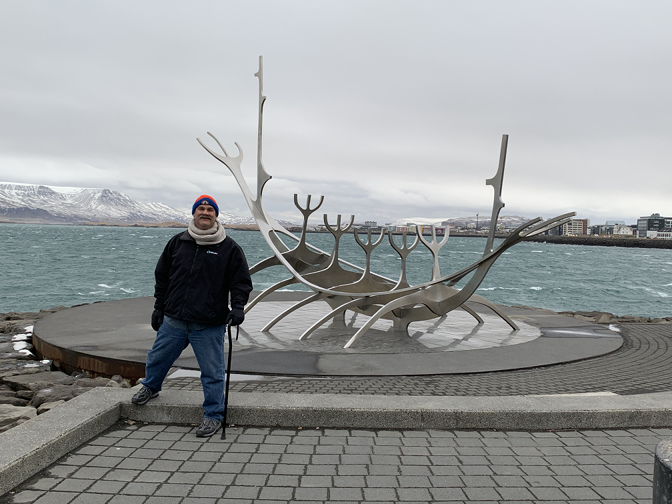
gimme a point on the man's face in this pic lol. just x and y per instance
(204, 217)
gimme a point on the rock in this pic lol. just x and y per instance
(92, 382)
(48, 406)
(23, 356)
(604, 318)
(38, 381)
(11, 416)
(13, 400)
(25, 394)
(113, 384)
(588, 314)
(15, 326)
(11, 367)
(126, 384)
(48, 311)
(117, 378)
(631, 319)
(80, 374)
(57, 393)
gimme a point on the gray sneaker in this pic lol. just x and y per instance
(143, 395)
(208, 427)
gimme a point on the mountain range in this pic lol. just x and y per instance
(482, 223)
(41, 204)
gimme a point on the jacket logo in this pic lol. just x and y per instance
(211, 252)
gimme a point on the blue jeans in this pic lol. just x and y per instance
(208, 345)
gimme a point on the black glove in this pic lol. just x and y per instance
(157, 319)
(236, 316)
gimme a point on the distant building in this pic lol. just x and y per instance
(623, 230)
(602, 229)
(556, 231)
(576, 227)
(427, 230)
(370, 224)
(665, 234)
(410, 228)
(648, 227)
(612, 228)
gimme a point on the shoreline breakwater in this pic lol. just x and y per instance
(603, 241)
(30, 385)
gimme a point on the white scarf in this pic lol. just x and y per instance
(211, 236)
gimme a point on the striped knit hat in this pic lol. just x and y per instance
(204, 199)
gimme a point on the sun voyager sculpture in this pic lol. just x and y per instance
(360, 289)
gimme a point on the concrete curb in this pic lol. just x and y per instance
(34, 445)
(37, 443)
(528, 413)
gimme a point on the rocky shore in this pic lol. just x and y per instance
(30, 386)
(603, 241)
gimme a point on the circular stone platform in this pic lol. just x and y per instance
(113, 337)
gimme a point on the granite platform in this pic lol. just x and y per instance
(113, 338)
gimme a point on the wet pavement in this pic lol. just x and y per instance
(143, 464)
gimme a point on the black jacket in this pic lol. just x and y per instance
(193, 282)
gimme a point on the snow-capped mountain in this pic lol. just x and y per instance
(482, 222)
(74, 205)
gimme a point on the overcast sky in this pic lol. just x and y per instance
(389, 109)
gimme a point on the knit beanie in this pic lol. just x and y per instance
(204, 199)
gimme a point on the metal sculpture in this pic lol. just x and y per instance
(359, 289)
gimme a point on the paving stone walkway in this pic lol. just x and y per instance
(159, 464)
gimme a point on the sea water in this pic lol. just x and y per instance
(45, 266)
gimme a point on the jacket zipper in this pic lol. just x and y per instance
(186, 291)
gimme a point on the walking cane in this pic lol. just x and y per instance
(228, 376)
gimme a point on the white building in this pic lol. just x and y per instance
(623, 230)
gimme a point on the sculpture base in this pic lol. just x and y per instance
(113, 338)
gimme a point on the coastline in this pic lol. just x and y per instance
(599, 241)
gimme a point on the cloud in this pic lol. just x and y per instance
(387, 108)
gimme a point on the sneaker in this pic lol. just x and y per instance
(208, 427)
(143, 396)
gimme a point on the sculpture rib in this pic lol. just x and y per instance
(291, 309)
(329, 316)
(270, 290)
(265, 263)
(471, 312)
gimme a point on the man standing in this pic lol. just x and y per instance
(197, 272)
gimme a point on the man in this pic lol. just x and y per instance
(197, 272)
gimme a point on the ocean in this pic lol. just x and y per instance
(46, 266)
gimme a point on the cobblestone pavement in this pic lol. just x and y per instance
(642, 365)
(159, 464)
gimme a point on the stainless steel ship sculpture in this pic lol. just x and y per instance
(359, 289)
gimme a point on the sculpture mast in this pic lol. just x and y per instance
(262, 174)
